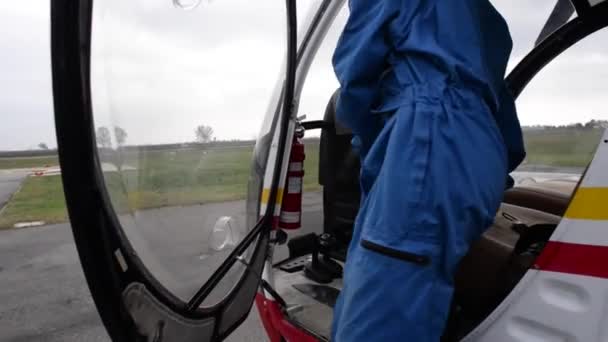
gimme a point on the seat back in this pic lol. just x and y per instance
(339, 175)
(550, 196)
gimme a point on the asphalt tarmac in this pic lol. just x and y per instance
(43, 293)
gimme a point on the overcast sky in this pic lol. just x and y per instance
(159, 71)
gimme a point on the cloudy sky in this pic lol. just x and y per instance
(159, 71)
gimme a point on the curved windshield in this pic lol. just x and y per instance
(180, 89)
(563, 113)
(528, 19)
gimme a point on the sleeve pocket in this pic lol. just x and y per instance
(418, 259)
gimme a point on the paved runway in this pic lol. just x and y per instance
(43, 294)
(10, 180)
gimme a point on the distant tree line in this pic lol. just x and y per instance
(28, 153)
(203, 134)
(591, 124)
(204, 138)
(104, 143)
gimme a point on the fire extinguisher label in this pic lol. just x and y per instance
(290, 217)
(294, 185)
(296, 166)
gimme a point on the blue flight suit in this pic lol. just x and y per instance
(422, 89)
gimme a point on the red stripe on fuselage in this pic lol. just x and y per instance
(572, 258)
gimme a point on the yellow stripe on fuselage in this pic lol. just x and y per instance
(266, 196)
(589, 204)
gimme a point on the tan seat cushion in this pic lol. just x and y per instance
(550, 196)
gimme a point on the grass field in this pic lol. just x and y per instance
(40, 198)
(186, 177)
(160, 178)
(561, 147)
(27, 162)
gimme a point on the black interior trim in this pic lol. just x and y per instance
(70, 33)
(562, 11)
(581, 6)
(315, 124)
(226, 265)
(288, 109)
(559, 41)
(313, 27)
(288, 105)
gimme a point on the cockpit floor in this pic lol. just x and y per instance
(303, 310)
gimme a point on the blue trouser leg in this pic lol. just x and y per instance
(432, 182)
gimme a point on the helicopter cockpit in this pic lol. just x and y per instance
(176, 120)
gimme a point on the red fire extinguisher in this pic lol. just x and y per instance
(291, 209)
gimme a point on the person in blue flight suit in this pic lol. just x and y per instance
(422, 88)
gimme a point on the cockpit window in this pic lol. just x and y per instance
(321, 81)
(180, 89)
(528, 19)
(563, 109)
(551, 109)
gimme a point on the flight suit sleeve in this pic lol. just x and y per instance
(360, 58)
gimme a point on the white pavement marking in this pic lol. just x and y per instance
(28, 224)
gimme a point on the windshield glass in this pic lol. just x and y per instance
(532, 105)
(563, 112)
(525, 28)
(180, 89)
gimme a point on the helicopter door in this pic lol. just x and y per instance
(158, 106)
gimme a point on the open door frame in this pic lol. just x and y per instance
(132, 304)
